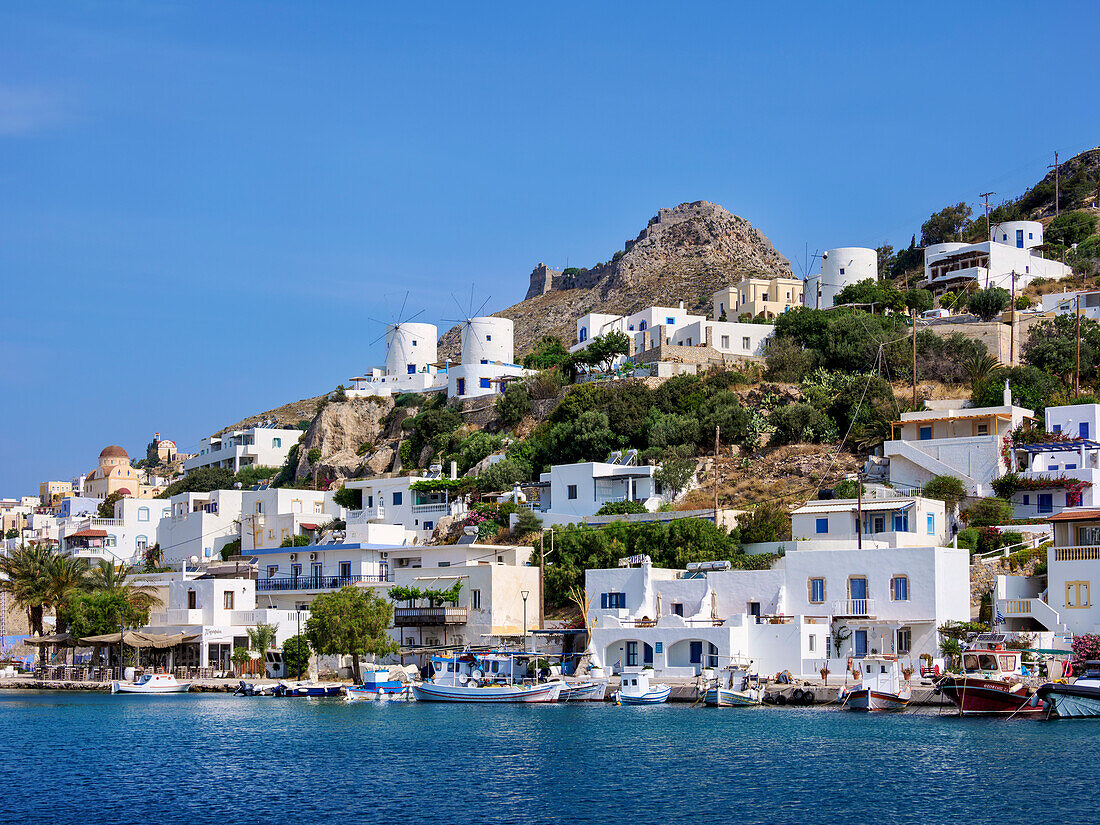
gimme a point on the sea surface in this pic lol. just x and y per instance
(212, 758)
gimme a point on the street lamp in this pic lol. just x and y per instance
(524, 594)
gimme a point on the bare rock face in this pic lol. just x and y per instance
(338, 432)
(684, 254)
(379, 461)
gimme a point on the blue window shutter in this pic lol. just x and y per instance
(603, 601)
(823, 525)
(1083, 428)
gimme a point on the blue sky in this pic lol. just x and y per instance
(203, 203)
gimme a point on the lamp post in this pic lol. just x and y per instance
(523, 595)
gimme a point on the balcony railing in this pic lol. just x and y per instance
(279, 583)
(1088, 553)
(854, 607)
(428, 616)
(178, 616)
(1017, 607)
(438, 507)
(366, 514)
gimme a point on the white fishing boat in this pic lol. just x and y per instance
(882, 685)
(1078, 700)
(636, 689)
(152, 684)
(734, 687)
(382, 685)
(456, 680)
(591, 691)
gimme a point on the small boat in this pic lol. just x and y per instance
(1078, 700)
(595, 691)
(458, 679)
(635, 689)
(253, 689)
(882, 685)
(734, 688)
(993, 681)
(152, 683)
(307, 689)
(381, 686)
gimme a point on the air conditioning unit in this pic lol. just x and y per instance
(294, 557)
(384, 554)
(313, 557)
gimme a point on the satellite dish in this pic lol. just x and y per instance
(194, 560)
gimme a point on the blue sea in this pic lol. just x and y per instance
(212, 758)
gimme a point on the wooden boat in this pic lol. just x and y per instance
(307, 689)
(459, 679)
(1079, 700)
(594, 691)
(152, 684)
(882, 685)
(992, 681)
(636, 689)
(381, 686)
(734, 688)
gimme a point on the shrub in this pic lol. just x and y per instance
(526, 522)
(513, 404)
(849, 488)
(987, 304)
(788, 361)
(350, 498)
(799, 423)
(296, 656)
(502, 476)
(947, 489)
(986, 512)
(313, 456)
(767, 522)
(618, 508)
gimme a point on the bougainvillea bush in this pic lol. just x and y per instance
(1086, 647)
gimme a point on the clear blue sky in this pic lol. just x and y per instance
(202, 203)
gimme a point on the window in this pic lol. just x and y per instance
(613, 601)
(1071, 466)
(1027, 499)
(315, 570)
(485, 385)
(822, 525)
(1046, 502)
(192, 600)
(296, 505)
(745, 342)
(259, 506)
(925, 433)
(582, 336)
(428, 525)
(571, 491)
(345, 569)
(1077, 594)
(1057, 428)
(901, 522)
(812, 640)
(295, 570)
(276, 442)
(983, 429)
(228, 599)
(643, 326)
(143, 513)
(272, 571)
(488, 337)
(444, 564)
(931, 524)
(414, 343)
(677, 609)
(857, 588)
(670, 320)
(410, 369)
(817, 591)
(725, 342)
(1083, 429)
(484, 360)
(397, 499)
(1088, 536)
(899, 587)
(141, 542)
(905, 640)
(475, 599)
(318, 507)
(842, 270)
(879, 524)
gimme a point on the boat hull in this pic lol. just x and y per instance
(584, 692)
(381, 693)
(158, 690)
(726, 698)
(306, 691)
(874, 700)
(1071, 701)
(653, 697)
(989, 697)
(501, 694)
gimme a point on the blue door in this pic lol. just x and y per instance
(461, 386)
(695, 650)
(631, 654)
(647, 654)
(1019, 239)
(1083, 429)
(859, 643)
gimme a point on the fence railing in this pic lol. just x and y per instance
(1091, 553)
(854, 607)
(428, 616)
(283, 583)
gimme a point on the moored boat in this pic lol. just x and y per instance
(382, 685)
(734, 687)
(152, 684)
(636, 689)
(992, 682)
(1077, 700)
(594, 691)
(307, 689)
(882, 685)
(459, 679)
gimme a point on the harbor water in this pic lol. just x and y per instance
(85, 758)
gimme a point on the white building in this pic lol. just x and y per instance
(786, 618)
(410, 364)
(1010, 260)
(255, 446)
(1065, 303)
(840, 267)
(570, 492)
(119, 540)
(1058, 604)
(964, 442)
(1075, 461)
(674, 326)
(487, 355)
(494, 579)
(888, 520)
(393, 501)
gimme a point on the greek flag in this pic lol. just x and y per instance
(998, 618)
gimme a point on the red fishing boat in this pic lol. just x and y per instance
(993, 681)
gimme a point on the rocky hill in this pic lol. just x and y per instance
(683, 254)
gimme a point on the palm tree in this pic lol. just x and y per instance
(111, 577)
(25, 580)
(66, 579)
(262, 639)
(980, 367)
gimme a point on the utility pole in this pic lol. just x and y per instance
(1012, 326)
(542, 577)
(1054, 166)
(914, 312)
(988, 231)
(717, 430)
(1077, 370)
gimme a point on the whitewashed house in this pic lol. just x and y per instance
(119, 540)
(888, 520)
(1063, 471)
(1066, 303)
(255, 447)
(571, 492)
(786, 618)
(393, 501)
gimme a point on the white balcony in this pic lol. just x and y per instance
(854, 607)
(177, 616)
(1084, 553)
(441, 507)
(367, 514)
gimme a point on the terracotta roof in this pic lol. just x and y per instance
(114, 451)
(89, 534)
(1074, 515)
(306, 526)
(122, 491)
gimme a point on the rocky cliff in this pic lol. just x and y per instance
(352, 438)
(684, 254)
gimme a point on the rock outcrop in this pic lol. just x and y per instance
(339, 432)
(684, 254)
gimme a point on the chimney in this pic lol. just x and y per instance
(681, 304)
(454, 470)
(710, 336)
(1008, 395)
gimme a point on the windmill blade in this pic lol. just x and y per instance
(380, 337)
(414, 315)
(459, 306)
(456, 320)
(383, 323)
(401, 312)
(483, 303)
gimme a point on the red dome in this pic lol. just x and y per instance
(114, 451)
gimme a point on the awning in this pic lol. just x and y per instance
(88, 534)
(308, 526)
(1058, 446)
(59, 639)
(830, 506)
(1075, 515)
(136, 638)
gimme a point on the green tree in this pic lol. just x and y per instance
(108, 577)
(947, 489)
(952, 223)
(1032, 388)
(349, 497)
(500, 477)
(766, 522)
(106, 507)
(1069, 228)
(526, 522)
(547, 353)
(920, 300)
(296, 653)
(295, 541)
(352, 621)
(513, 405)
(262, 639)
(801, 423)
(988, 512)
(24, 577)
(12, 533)
(1052, 347)
(66, 579)
(880, 294)
(675, 473)
(102, 612)
(602, 351)
(987, 304)
(202, 480)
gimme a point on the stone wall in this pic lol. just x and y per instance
(996, 336)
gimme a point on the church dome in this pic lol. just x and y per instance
(114, 451)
